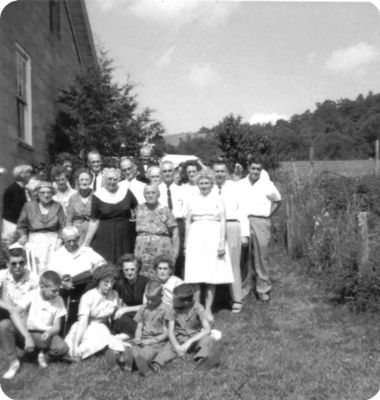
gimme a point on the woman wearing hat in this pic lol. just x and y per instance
(39, 225)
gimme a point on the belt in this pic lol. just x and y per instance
(151, 234)
(232, 220)
(257, 216)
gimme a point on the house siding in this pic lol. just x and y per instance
(54, 63)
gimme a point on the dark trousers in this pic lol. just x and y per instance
(10, 339)
(203, 348)
(179, 268)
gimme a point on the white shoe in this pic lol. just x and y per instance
(41, 360)
(12, 370)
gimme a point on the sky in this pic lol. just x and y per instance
(194, 62)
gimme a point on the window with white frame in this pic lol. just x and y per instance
(23, 96)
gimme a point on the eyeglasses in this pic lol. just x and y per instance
(167, 170)
(17, 263)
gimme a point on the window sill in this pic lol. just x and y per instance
(25, 145)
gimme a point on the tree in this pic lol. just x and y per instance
(239, 140)
(95, 112)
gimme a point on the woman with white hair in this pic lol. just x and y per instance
(39, 226)
(111, 232)
(15, 196)
(207, 258)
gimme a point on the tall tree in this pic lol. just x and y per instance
(95, 112)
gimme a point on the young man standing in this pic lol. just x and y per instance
(259, 200)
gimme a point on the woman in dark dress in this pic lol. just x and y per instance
(110, 231)
(131, 288)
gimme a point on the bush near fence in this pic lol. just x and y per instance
(325, 235)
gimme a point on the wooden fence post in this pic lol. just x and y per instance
(377, 157)
(363, 243)
(311, 158)
(290, 234)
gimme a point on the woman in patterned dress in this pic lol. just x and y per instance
(157, 232)
(79, 208)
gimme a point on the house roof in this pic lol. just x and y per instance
(81, 30)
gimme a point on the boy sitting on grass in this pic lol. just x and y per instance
(189, 331)
(44, 309)
(164, 269)
(12, 327)
(151, 332)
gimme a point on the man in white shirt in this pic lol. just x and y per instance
(74, 265)
(95, 163)
(71, 261)
(228, 189)
(128, 173)
(259, 200)
(171, 196)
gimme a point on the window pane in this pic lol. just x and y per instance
(21, 119)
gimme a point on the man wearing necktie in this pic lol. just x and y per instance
(171, 195)
(228, 190)
(95, 163)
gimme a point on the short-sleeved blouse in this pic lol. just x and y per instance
(97, 306)
(158, 221)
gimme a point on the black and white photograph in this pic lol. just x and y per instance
(189, 200)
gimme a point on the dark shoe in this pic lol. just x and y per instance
(142, 364)
(210, 362)
(125, 360)
(155, 367)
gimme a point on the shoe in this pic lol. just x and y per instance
(42, 360)
(155, 367)
(236, 307)
(12, 370)
(264, 296)
(210, 362)
(142, 364)
(125, 360)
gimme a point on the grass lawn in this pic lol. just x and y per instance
(297, 347)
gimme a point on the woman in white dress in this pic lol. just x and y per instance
(97, 307)
(207, 257)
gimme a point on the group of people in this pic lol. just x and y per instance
(116, 258)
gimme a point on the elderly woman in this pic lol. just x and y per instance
(131, 287)
(61, 184)
(111, 232)
(39, 225)
(79, 207)
(157, 232)
(97, 307)
(207, 257)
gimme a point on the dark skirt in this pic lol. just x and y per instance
(114, 238)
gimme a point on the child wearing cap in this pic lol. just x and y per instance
(164, 269)
(188, 331)
(151, 333)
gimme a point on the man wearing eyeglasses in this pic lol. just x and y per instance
(16, 280)
(259, 200)
(171, 196)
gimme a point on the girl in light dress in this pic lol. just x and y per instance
(91, 333)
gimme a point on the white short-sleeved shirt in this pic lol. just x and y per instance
(11, 291)
(41, 313)
(256, 199)
(177, 195)
(168, 288)
(83, 260)
(97, 306)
